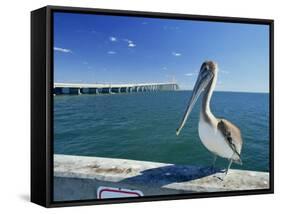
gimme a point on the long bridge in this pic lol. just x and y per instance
(107, 88)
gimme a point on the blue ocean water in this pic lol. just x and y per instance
(142, 126)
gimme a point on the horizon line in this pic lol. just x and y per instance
(258, 92)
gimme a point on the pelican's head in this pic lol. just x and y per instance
(209, 66)
(206, 74)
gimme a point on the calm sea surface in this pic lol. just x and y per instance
(142, 126)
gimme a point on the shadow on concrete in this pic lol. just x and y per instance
(161, 176)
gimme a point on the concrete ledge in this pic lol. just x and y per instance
(78, 177)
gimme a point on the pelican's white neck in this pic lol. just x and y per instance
(206, 98)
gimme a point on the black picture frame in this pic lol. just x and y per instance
(42, 104)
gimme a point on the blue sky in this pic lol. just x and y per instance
(112, 49)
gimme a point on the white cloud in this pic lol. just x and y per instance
(128, 40)
(113, 39)
(131, 45)
(111, 52)
(176, 54)
(189, 74)
(164, 68)
(64, 50)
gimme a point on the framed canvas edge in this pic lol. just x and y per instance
(49, 101)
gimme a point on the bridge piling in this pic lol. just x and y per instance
(77, 89)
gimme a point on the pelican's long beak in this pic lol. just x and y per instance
(203, 79)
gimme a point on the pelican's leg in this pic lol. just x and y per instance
(226, 171)
(229, 165)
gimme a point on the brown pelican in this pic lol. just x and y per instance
(218, 135)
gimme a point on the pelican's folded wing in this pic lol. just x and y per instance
(232, 135)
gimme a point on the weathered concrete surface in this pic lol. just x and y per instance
(78, 177)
